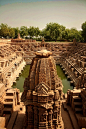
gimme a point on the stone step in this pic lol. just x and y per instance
(12, 120)
(9, 94)
(71, 82)
(7, 111)
(81, 121)
(8, 104)
(77, 99)
(8, 98)
(71, 116)
(78, 104)
(78, 110)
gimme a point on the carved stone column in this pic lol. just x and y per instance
(30, 117)
(36, 118)
(50, 119)
(43, 123)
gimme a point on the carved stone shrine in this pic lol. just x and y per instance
(43, 93)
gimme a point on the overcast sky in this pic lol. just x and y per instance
(37, 13)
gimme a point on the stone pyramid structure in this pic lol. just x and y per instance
(43, 93)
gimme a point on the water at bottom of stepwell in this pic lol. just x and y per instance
(24, 74)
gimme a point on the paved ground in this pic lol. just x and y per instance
(69, 118)
(66, 119)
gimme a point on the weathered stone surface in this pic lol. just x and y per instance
(43, 93)
(72, 58)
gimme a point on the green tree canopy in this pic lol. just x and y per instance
(52, 31)
(4, 30)
(33, 31)
(84, 31)
(16, 32)
(37, 31)
(23, 31)
(74, 33)
(11, 32)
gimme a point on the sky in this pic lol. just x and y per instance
(37, 13)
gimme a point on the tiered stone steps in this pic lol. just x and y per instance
(70, 73)
(8, 104)
(81, 121)
(71, 116)
(7, 110)
(77, 102)
(14, 74)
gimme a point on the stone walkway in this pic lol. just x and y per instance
(17, 118)
(66, 119)
(19, 121)
(71, 122)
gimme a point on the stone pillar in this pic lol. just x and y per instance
(59, 112)
(18, 97)
(36, 118)
(30, 117)
(50, 119)
(55, 117)
(43, 123)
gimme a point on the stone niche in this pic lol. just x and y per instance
(43, 93)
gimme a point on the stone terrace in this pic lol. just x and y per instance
(14, 56)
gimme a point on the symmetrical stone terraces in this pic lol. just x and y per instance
(77, 100)
(72, 57)
(43, 88)
(11, 64)
(42, 93)
(74, 62)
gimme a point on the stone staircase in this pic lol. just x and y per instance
(77, 104)
(81, 121)
(8, 111)
(8, 106)
(72, 117)
(69, 73)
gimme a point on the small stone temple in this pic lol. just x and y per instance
(43, 93)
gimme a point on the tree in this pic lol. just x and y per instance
(84, 31)
(37, 32)
(67, 31)
(73, 33)
(23, 31)
(62, 33)
(31, 31)
(54, 30)
(81, 39)
(4, 30)
(11, 32)
(16, 32)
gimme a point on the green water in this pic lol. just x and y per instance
(20, 81)
(65, 82)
